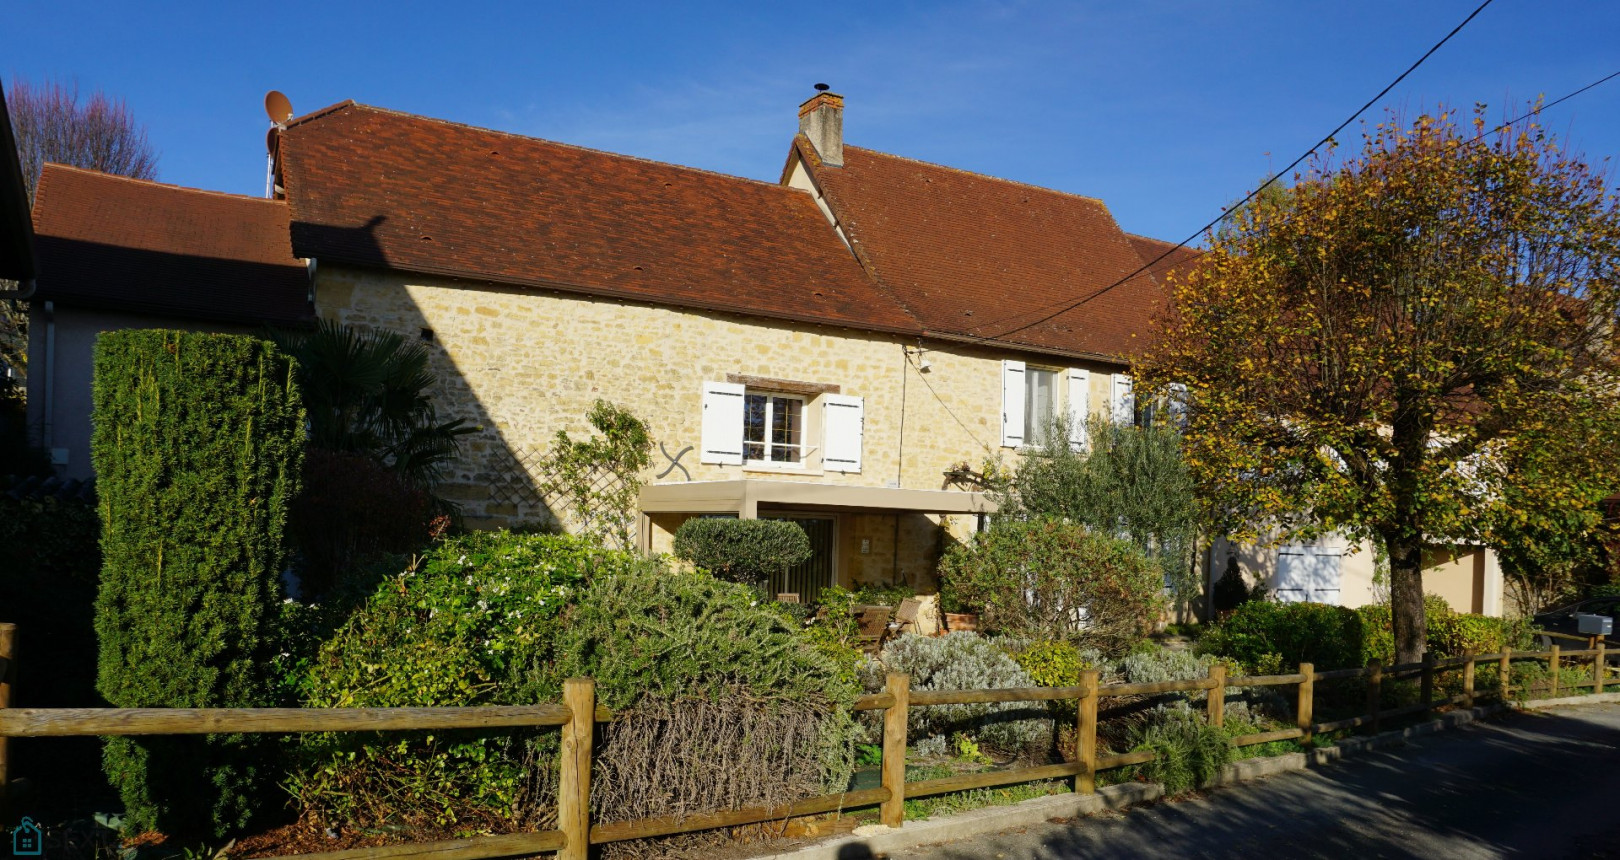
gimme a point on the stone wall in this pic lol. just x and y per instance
(523, 364)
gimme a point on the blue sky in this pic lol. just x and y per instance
(1165, 110)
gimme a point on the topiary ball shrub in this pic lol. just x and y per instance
(197, 445)
(472, 623)
(737, 550)
(724, 703)
(1045, 579)
(962, 661)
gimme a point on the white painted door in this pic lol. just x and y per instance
(1309, 574)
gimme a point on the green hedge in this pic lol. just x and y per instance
(473, 623)
(1271, 637)
(736, 550)
(197, 446)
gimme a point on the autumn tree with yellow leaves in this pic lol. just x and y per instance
(1415, 345)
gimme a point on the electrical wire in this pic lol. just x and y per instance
(1251, 195)
(948, 410)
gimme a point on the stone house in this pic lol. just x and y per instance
(800, 349)
(840, 348)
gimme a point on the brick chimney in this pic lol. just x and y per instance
(821, 119)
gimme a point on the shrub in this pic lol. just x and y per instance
(197, 446)
(725, 703)
(351, 511)
(1153, 665)
(746, 551)
(473, 623)
(1263, 635)
(1046, 579)
(961, 661)
(1055, 664)
(1189, 752)
(50, 563)
(1270, 637)
(1231, 591)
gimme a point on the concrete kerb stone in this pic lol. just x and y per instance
(877, 840)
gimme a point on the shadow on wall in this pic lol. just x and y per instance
(495, 480)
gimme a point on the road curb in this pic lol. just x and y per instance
(992, 819)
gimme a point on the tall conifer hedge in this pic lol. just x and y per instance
(197, 444)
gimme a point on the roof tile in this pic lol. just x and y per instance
(133, 245)
(379, 188)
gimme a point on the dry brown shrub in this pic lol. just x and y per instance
(688, 756)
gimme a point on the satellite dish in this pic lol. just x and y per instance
(270, 139)
(278, 106)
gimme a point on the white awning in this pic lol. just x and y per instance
(743, 497)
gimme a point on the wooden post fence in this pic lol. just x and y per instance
(574, 791)
(577, 715)
(1085, 740)
(1375, 691)
(1552, 663)
(1426, 682)
(1504, 674)
(8, 676)
(1599, 666)
(1307, 699)
(894, 748)
(1468, 680)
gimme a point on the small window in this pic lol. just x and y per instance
(773, 429)
(1039, 404)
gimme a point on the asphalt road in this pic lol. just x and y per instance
(1533, 785)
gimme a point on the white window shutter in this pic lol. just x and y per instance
(1180, 404)
(1124, 400)
(1012, 404)
(843, 425)
(1079, 406)
(722, 440)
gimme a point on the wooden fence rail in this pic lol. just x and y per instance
(578, 713)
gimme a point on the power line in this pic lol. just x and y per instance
(1251, 195)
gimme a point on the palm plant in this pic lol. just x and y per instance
(367, 392)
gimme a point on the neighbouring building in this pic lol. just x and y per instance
(118, 253)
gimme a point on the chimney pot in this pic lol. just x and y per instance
(821, 118)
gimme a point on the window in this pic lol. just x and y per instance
(773, 429)
(1038, 405)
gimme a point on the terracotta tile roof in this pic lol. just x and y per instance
(379, 188)
(974, 256)
(1151, 250)
(132, 245)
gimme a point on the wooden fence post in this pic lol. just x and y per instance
(574, 792)
(1552, 663)
(1085, 741)
(1426, 681)
(1216, 703)
(1599, 666)
(894, 748)
(1307, 699)
(1468, 680)
(1375, 692)
(8, 676)
(1504, 674)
